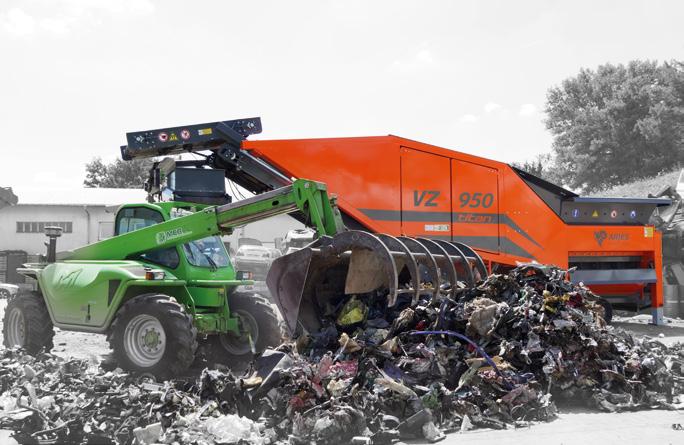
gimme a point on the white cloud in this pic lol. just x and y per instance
(422, 59)
(57, 25)
(527, 110)
(110, 6)
(61, 16)
(425, 56)
(491, 107)
(468, 119)
(17, 22)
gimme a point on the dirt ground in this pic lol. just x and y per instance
(573, 426)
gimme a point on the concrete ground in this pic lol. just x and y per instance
(585, 428)
(573, 426)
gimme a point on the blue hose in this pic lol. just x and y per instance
(479, 349)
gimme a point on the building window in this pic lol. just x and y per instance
(39, 227)
(106, 230)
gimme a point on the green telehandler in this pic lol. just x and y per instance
(161, 282)
(165, 283)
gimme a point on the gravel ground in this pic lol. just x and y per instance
(572, 427)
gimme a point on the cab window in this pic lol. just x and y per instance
(135, 218)
(207, 252)
(164, 257)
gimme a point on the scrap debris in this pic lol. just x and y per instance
(496, 356)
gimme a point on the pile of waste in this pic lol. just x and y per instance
(496, 356)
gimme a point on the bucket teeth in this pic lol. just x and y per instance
(357, 262)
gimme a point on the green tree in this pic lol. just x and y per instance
(118, 174)
(617, 124)
(543, 165)
(537, 166)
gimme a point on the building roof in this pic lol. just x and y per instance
(79, 196)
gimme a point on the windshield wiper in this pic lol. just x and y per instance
(212, 264)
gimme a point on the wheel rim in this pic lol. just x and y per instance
(16, 328)
(144, 340)
(240, 344)
(4, 293)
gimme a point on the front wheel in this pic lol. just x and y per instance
(153, 334)
(27, 323)
(4, 293)
(258, 325)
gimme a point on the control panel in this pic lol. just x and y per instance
(609, 211)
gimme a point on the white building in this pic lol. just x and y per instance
(86, 215)
(266, 230)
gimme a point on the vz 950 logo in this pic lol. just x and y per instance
(425, 197)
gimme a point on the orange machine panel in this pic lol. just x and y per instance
(397, 186)
(475, 192)
(530, 230)
(362, 172)
(425, 194)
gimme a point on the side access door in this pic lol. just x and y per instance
(475, 191)
(425, 194)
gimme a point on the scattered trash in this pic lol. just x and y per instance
(496, 356)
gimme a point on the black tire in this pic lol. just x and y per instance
(4, 293)
(607, 309)
(28, 313)
(253, 310)
(178, 336)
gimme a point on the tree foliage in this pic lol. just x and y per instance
(541, 165)
(617, 124)
(118, 174)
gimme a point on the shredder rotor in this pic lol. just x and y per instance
(358, 262)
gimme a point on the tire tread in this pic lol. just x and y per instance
(40, 331)
(181, 336)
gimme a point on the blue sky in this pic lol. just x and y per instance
(471, 76)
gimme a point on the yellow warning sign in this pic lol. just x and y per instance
(648, 232)
(204, 131)
(595, 214)
(173, 137)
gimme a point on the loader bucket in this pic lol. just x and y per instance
(357, 262)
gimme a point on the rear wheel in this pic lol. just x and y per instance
(258, 324)
(607, 309)
(4, 293)
(27, 323)
(153, 334)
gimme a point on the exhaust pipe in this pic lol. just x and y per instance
(52, 233)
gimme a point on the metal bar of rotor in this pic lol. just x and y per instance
(448, 265)
(466, 265)
(429, 261)
(467, 250)
(407, 257)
